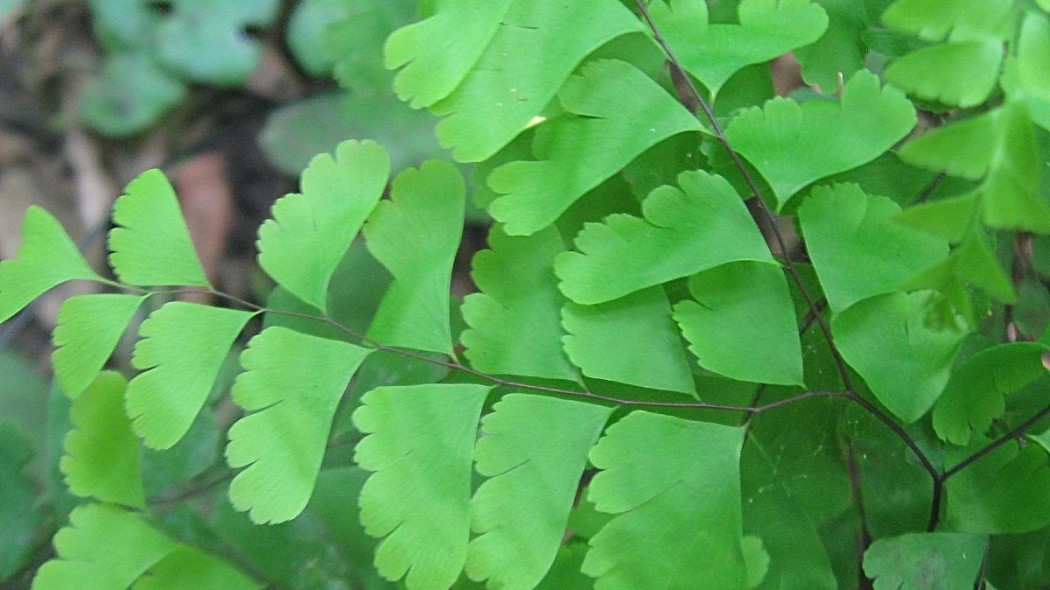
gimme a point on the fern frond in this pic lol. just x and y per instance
(89, 328)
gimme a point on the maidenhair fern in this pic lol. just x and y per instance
(644, 394)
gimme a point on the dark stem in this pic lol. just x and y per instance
(1018, 432)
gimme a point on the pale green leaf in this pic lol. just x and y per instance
(756, 560)
(534, 450)
(1003, 492)
(975, 394)
(741, 323)
(904, 361)
(434, 61)
(766, 30)
(419, 443)
(151, 244)
(961, 74)
(129, 93)
(312, 230)
(949, 218)
(515, 322)
(700, 226)
(46, 258)
(793, 145)
(934, 20)
(674, 486)
(427, 205)
(925, 561)
(857, 247)
(293, 383)
(182, 349)
(103, 548)
(353, 44)
(89, 328)
(186, 568)
(508, 86)
(621, 113)
(102, 458)
(629, 340)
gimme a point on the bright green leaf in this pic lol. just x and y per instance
(906, 362)
(419, 443)
(102, 459)
(311, 231)
(925, 561)
(1002, 492)
(508, 86)
(534, 450)
(975, 394)
(741, 323)
(46, 258)
(700, 226)
(186, 568)
(960, 74)
(293, 383)
(857, 247)
(767, 29)
(629, 340)
(152, 245)
(515, 322)
(613, 101)
(428, 74)
(949, 218)
(426, 204)
(934, 20)
(794, 145)
(674, 485)
(182, 348)
(89, 328)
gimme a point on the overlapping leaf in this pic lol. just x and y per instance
(426, 204)
(629, 340)
(1025, 78)
(670, 501)
(311, 231)
(430, 74)
(186, 568)
(794, 145)
(1002, 492)
(613, 101)
(507, 86)
(152, 245)
(766, 30)
(102, 458)
(858, 249)
(293, 383)
(89, 328)
(926, 561)
(961, 74)
(419, 443)
(934, 20)
(515, 323)
(46, 258)
(183, 346)
(534, 450)
(700, 226)
(741, 323)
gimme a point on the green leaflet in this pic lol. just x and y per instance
(767, 29)
(186, 568)
(533, 450)
(1026, 77)
(1002, 492)
(293, 383)
(613, 100)
(857, 247)
(841, 50)
(430, 75)
(426, 204)
(311, 231)
(130, 93)
(674, 485)
(152, 245)
(926, 561)
(102, 457)
(904, 361)
(19, 514)
(352, 43)
(700, 226)
(515, 322)
(507, 86)
(181, 350)
(933, 20)
(419, 443)
(962, 74)
(629, 340)
(46, 258)
(742, 323)
(975, 394)
(104, 548)
(793, 145)
(89, 328)
(1000, 147)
